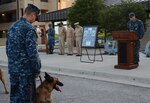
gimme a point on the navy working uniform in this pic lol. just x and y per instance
(136, 26)
(51, 39)
(23, 61)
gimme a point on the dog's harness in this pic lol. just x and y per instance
(40, 79)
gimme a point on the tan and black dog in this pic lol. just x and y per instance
(43, 91)
(3, 81)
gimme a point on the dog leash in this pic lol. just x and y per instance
(40, 79)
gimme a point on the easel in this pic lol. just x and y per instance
(94, 55)
(89, 41)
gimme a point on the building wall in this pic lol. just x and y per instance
(68, 4)
(8, 7)
(2, 41)
(5, 26)
(51, 5)
(38, 3)
(65, 4)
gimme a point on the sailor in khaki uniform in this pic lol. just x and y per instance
(62, 37)
(78, 35)
(70, 39)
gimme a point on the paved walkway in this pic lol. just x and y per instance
(71, 65)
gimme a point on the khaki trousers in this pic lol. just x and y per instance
(62, 45)
(78, 45)
(70, 45)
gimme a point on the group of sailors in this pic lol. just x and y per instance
(68, 35)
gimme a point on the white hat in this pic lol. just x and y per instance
(77, 23)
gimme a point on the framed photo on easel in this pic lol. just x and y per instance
(89, 41)
(89, 36)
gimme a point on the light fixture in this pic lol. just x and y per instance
(4, 31)
(149, 15)
(3, 14)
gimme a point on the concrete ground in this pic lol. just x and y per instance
(80, 90)
(71, 65)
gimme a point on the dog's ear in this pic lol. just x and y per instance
(46, 74)
(48, 77)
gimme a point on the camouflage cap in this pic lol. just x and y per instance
(34, 8)
(131, 14)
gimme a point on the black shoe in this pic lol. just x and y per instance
(48, 53)
(60, 54)
(136, 63)
(78, 55)
(69, 54)
(51, 52)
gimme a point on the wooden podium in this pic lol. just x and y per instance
(126, 50)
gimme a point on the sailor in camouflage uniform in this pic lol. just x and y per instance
(23, 59)
(51, 39)
(137, 26)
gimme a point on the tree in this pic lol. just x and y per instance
(87, 12)
(116, 16)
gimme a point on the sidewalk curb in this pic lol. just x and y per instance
(115, 78)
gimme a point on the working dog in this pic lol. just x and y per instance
(3, 81)
(43, 91)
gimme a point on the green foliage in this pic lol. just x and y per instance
(87, 12)
(116, 16)
(57, 36)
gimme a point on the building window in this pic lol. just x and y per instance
(6, 1)
(9, 16)
(44, 11)
(44, 0)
